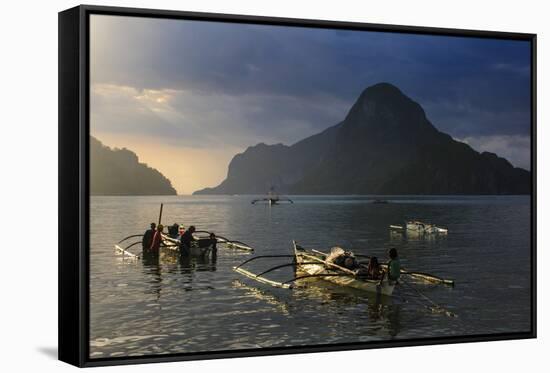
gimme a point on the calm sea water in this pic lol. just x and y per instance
(142, 308)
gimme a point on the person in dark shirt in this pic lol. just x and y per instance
(173, 230)
(148, 237)
(186, 240)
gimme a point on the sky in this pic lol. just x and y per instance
(187, 96)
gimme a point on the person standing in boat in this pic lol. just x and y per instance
(157, 240)
(186, 240)
(148, 237)
(394, 266)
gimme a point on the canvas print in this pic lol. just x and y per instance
(261, 186)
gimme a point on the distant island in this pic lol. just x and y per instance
(119, 172)
(385, 145)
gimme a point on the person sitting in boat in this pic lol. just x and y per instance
(394, 266)
(157, 240)
(350, 262)
(186, 240)
(148, 237)
(373, 270)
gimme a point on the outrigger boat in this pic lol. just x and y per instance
(272, 198)
(314, 264)
(201, 247)
(419, 227)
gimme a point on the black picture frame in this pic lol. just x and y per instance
(74, 197)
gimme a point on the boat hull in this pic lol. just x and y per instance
(199, 248)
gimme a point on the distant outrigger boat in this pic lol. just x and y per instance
(272, 199)
(419, 227)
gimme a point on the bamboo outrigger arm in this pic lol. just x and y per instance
(289, 284)
(315, 275)
(234, 243)
(263, 256)
(282, 266)
(132, 236)
(261, 279)
(124, 250)
(428, 277)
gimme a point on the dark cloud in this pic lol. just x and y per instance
(287, 83)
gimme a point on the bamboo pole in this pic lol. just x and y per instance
(264, 256)
(160, 213)
(262, 279)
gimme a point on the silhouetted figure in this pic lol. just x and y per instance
(148, 237)
(373, 270)
(214, 243)
(173, 230)
(186, 240)
(394, 266)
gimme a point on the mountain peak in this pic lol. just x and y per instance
(385, 111)
(382, 88)
(385, 94)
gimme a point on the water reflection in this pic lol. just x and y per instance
(264, 295)
(168, 305)
(170, 264)
(400, 236)
(342, 307)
